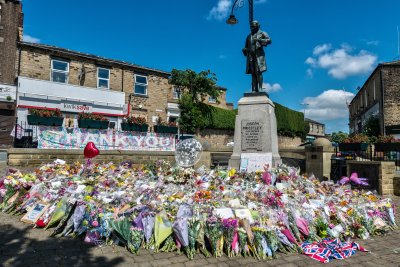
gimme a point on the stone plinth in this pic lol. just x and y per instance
(255, 128)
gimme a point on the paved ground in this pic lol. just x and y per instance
(21, 245)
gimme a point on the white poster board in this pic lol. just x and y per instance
(251, 162)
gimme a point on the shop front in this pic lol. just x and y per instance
(69, 101)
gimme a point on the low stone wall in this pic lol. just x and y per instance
(380, 173)
(285, 142)
(396, 184)
(31, 157)
(214, 138)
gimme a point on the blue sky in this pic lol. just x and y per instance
(321, 50)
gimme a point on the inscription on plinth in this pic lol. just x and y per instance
(251, 135)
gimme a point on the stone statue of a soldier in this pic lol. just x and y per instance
(254, 51)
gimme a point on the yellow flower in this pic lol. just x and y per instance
(88, 198)
(232, 172)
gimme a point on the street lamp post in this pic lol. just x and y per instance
(237, 4)
(305, 107)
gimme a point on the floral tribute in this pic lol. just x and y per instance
(214, 212)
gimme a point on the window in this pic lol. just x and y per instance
(212, 99)
(140, 85)
(175, 93)
(103, 78)
(59, 71)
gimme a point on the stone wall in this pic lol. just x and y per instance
(285, 142)
(391, 96)
(10, 27)
(380, 174)
(30, 157)
(396, 184)
(214, 138)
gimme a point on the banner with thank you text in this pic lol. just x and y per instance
(77, 138)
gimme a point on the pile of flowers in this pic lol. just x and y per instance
(214, 212)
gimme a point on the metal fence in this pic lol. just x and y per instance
(338, 161)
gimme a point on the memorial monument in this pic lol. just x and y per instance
(256, 138)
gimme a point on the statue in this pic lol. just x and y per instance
(254, 51)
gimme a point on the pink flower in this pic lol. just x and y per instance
(95, 223)
(266, 176)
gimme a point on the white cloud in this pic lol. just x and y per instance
(321, 48)
(329, 105)
(270, 88)
(220, 11)
(310, 73)
(30, 39)
(340, 63)
(374, 42)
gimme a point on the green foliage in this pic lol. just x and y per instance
(372, 128)
(198, 85)
(194, 116)
(222, 119)
(289, 122)
(339, 136)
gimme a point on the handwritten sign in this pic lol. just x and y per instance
(252, 162)
(251, 135)
(34, 214)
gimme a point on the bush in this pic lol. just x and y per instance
(289, 122)
(222, 119)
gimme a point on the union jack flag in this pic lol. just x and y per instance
(329, 249)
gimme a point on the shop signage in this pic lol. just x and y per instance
(75, 107)
(7, 90)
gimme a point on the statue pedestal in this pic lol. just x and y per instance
(256, 138)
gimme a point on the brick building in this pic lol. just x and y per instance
(379, 96)
(11, 18)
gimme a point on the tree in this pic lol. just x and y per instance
(194, 88)
(339, 136)
(197, 85)
(372, 128)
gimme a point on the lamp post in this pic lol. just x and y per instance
(305, 106)
(232, 20)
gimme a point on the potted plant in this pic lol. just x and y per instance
(45, 117)
(387, 143)
(357, 142)
(163, 127)
(92, 121)
(137, 124)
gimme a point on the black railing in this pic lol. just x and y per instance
(370, 152)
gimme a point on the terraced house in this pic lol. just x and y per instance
(379, 97)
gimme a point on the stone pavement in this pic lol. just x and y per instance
(21, 245)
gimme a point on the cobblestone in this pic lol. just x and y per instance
(21, 245)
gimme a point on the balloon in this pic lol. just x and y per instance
(91, 150)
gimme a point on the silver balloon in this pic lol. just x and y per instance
(188, 152)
